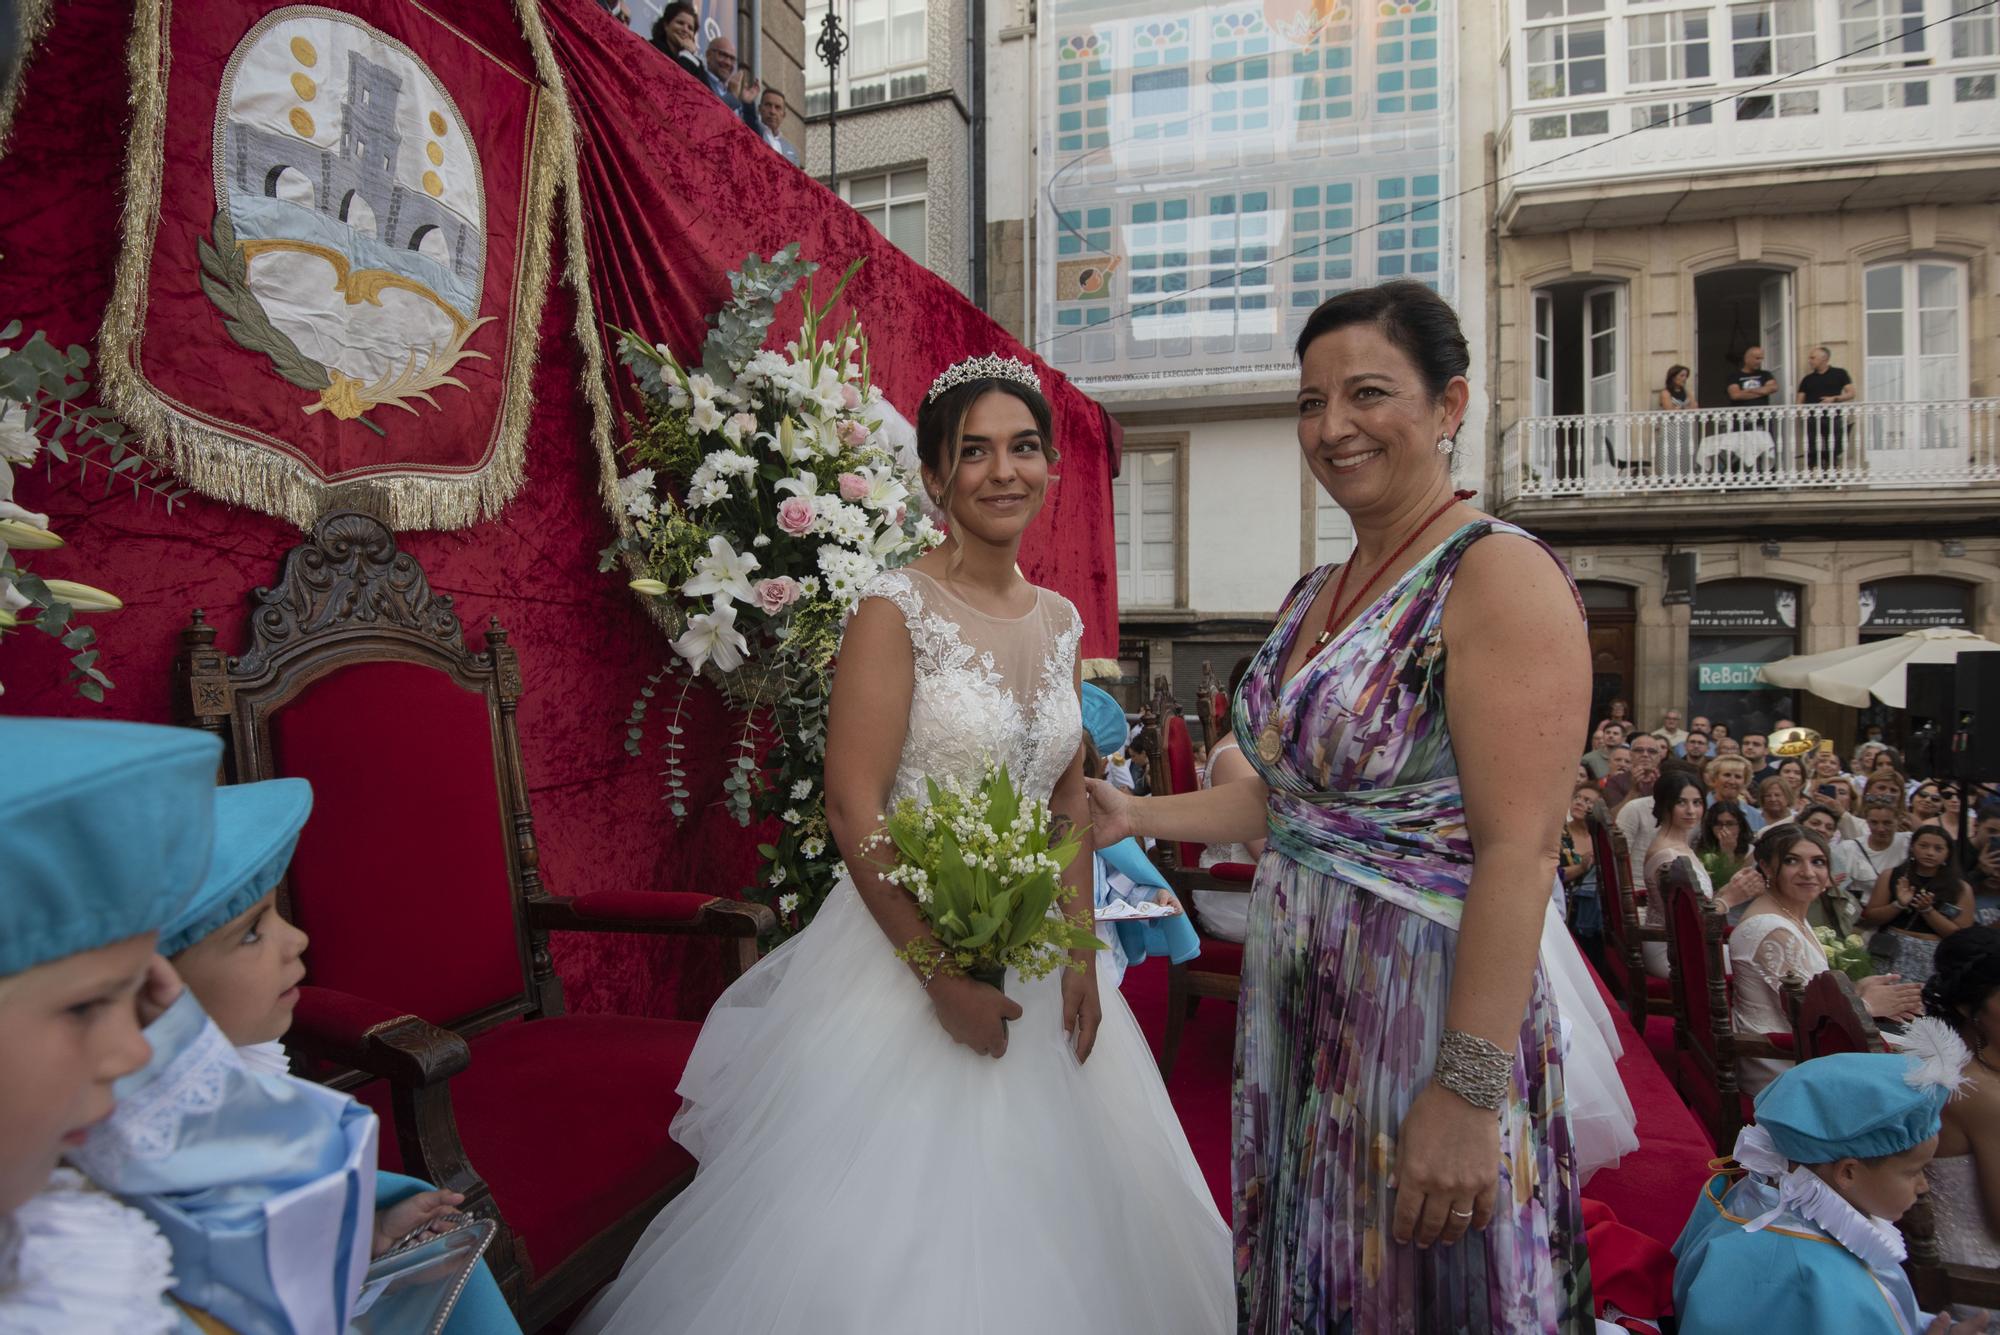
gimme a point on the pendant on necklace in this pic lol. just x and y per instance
(1270, 745)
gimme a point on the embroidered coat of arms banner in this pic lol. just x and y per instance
(335, 252)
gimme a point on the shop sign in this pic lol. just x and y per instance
(1728, 677)
(1911, 604)
(1748, 606)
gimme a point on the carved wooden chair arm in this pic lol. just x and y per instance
(1778, 1046)
(681, 912)
(377, 1040)
(1658, 934)
(1185, 882)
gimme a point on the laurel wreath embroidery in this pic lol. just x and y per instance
(225, 278)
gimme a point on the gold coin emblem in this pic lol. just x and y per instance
(435, 153)
(302, 122)
(437, 123)
(1269, 744)
(303, 52)
(433, 184)
(304, 87)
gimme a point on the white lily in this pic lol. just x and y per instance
(803, 484)
(723, 571)
(886, 490)
(27, 537)
(712, 637)
(83, 597)
(652, 588)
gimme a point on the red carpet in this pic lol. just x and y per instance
(1653, 1190)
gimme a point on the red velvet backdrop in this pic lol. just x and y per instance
(654, 200)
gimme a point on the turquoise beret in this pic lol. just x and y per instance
(256, 827)
(105, 829)
(1103, 719)
(1851, 1105)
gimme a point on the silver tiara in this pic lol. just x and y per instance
(984, 368)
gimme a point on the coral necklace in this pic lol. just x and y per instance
(1270, 742)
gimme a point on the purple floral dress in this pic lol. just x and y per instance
(1348, 965)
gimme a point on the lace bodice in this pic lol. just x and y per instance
(1763, 950)
(987, 688)
(1962, 1234)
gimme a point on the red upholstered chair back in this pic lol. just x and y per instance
(410, 875)
(1177, 750)
(1696, 931)
(1830, 1018)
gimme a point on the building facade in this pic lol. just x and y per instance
(1677, 184)
(892, 132)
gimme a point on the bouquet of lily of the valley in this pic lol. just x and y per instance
(767, 494)
(1847, 954)
(985, 865)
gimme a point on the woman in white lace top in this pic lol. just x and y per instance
(1679, 801)
(1964, 992)
(1774, 941)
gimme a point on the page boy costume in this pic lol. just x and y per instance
(1781, 1250)
(1123, 871)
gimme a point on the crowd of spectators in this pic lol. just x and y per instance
(677, 33)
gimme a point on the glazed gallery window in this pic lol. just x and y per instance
(886, 56)
(1881, 30)
(1770, 37)
(895, 202)
(1667, 48)
(1145, 507)
(1565, 59)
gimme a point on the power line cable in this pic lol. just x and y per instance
(1733, 95)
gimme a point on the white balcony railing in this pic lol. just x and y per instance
(1709, 450)
(1847, 116)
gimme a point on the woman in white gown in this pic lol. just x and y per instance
(879, 1153)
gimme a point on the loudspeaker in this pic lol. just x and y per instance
(1975, 743)
(1927, 699)
(1682, 569)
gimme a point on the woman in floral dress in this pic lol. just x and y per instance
(1403, 1162)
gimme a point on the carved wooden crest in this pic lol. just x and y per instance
(348, 571)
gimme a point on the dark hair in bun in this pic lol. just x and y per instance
(1964, 979)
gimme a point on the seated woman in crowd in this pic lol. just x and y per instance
(1852, 879)
(1775, 939)
(1965, 1175)
(1576, 864)
(1927, 806)
(1793, 771)
(1724, 844)
(1775, 804)
(1679, 802)
(1916, 904)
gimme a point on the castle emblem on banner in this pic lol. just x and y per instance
(336, 252)
(348, 244)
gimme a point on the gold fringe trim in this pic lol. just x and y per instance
(241, 472)
(31, 17)
(576, 273)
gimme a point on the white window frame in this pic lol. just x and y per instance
(1561, 33)
(1863, 23)
(1912, 311)
(1677, 44)
(1139, 584)
(1785, 54)
(893, 200)
(879, 82)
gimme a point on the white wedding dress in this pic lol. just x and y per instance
(861, 1173)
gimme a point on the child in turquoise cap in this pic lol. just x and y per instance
(105, 829)
(273, 1157)
(1806, 1240)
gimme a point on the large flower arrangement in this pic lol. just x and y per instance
(767, 494)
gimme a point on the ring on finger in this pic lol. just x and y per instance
(1461, 1214)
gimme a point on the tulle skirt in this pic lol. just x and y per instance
(1603, 1128)
(861, 1174)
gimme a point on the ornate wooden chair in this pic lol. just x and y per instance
(1707, 1046)
(1646, 999)
(1218, 970)
(1939, 1283)
(431, 993)
(1828, 1016)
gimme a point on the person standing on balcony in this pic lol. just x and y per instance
(1752, 386)
(678, 32)
(770, 124)
(1676, 396)
(1825, 384)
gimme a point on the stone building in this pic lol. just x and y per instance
(1677, 184)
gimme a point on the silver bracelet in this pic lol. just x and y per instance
(1475, 1070)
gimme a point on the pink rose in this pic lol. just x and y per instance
(854, 435)
(853, 486)
(850, 396)
(902, 513)
(796, 515)
(775, 595)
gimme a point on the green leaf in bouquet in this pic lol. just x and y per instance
(984, 925)
(1003, 804)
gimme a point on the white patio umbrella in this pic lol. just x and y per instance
(1861, 672)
